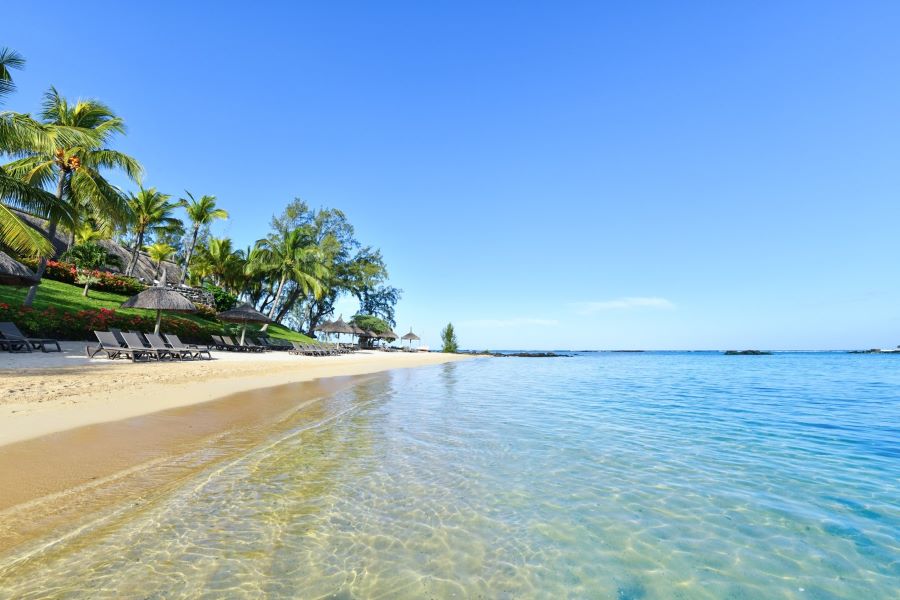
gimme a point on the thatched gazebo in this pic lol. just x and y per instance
(243, 314)
(341, 326)
(409, 337)
(160, 299)
(326, 327)
(12, 272)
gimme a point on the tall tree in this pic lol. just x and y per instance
(291, 256)
(151, 212)
(448, 337)
(201, 212)
(20, 133)
(76, 170)
(219, 261)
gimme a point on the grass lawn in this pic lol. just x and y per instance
(67, 298)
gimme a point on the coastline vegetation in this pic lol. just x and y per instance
(448, 338)
(56, 175)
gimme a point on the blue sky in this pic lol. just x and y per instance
(555, 175)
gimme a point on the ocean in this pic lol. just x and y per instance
(631, 476)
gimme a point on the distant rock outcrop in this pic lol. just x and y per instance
(746, 353)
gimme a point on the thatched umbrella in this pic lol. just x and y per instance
(326, 327)
(160, 299)
(12, 272)
(361, 333)
(388, 335)
(243, 314)
(410, 337)
(341, 326)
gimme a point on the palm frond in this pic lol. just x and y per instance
(20, 237)
(113, 159)
(9, 59)
(87, 183)
(38, 171)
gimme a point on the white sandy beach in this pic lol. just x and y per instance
(47, 393)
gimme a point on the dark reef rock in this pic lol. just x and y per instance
(746, 353)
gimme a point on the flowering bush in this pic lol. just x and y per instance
(80, 325)
(102, 280)
(205, 311)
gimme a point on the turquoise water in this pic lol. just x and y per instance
(621, 476)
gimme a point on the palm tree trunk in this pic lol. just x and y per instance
(86, 286)
(277, 296)
(134, 254)
(190, 254)
(51, 233)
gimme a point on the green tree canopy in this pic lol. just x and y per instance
(448, 337)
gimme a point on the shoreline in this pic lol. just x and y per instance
(136, 446)
(42, 394)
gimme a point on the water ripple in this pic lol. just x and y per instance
(602, 476)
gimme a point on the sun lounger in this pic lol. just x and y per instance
(157, 343)
(221, 344)
(110, 345)
(11, 333)
(299, 348)
(14, 345)
(134, 343)
(174, 342)
(245, 346)
(271, 344)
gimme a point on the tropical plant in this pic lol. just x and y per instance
(448, 337)
(88, 258)
(19, 133)
(219, 261)
(151, 212)
(75, 167)
(290, 257)
(159, 252)
(201, 212)
(224, 299)
(86, 232)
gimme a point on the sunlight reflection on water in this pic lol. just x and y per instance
(602, 476)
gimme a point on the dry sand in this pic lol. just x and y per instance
(46, 393)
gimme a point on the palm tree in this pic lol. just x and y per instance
(17, 133)
(200, 212)
(86, 233)
(158, 253)
(291, 257)
(76, 169)
(221, 262)
(151, 212)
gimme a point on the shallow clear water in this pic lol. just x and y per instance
(623, 476)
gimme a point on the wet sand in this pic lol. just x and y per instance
(127, 446)
(47, 393)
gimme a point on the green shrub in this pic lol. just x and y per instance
(224, 299)
(80, 325)
(104, 281)
(448, 336)
(370, 323)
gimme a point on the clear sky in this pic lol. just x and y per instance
(544, 175)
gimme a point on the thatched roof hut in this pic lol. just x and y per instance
(341, 326)
(12, 272)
